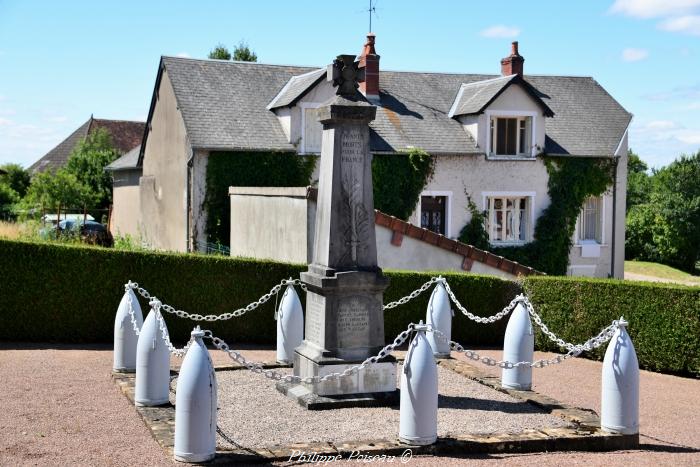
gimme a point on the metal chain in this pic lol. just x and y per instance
(414, 294)
(127, 287)
(481, 319)
(223, 317)
(274, 375)
(156, 305)
(593, 343)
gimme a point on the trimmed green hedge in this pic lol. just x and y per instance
(70, 293)
(664, 319)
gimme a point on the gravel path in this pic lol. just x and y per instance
(58, 406)
(254, 414)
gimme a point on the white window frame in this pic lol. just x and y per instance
(485, 195)
(303, 106)
(448, 208)
(601, 218)
(491, 114)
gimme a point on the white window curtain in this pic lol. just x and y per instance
(508, 219)
(590, 225)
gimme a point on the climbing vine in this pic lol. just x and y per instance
(225, 169)
(571, 182)
(398, 180)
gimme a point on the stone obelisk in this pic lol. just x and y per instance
(344, 314)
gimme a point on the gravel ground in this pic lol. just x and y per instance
(58, 406)
(254, 414)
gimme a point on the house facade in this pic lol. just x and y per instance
(487, 134)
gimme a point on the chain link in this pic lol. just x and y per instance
(156, 305)
(481, 319)
(223, 317)
(414, 294)
(128, 287)
(256, 367)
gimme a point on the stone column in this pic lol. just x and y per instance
(344, 302)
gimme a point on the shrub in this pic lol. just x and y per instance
(70, 293)
(664, 319)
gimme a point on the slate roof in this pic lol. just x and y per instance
(125, 135)
(130, 160)
(474, 98)
(224, 106)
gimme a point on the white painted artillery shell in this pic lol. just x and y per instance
(125, 338)
(518, 346)
(439, 315)
(419, 394)
(290, 325)
(620, 389)
(152, 365)
(195, 405)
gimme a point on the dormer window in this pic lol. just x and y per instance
(510, 136)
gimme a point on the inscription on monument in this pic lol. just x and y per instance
(353, 321)
(352, 147)
(315, 317)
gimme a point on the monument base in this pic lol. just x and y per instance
(310, 401)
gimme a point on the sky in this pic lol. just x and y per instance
(61, 61)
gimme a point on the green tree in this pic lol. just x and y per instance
(7, 195)
(57, 191)
(242, 53)
(220, 52)
(638, 181)
(88, 161)
(17, 178)
(667, 227)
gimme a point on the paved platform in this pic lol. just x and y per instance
(59, 406)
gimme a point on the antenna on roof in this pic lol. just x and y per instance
(371, 10)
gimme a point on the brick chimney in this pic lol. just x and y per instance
(513, 64)
(369, 60)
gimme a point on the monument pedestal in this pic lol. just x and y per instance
(344, 322)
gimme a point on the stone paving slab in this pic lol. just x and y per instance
(584, 435)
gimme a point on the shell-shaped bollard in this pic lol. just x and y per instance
(125, 338)
(290, 325)
(620, 385)
(518, 346)
(419, 393)
(195, 405)
(439, 316)
(152, 365)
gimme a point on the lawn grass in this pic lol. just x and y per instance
(660, 270)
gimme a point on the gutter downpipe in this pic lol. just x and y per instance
(188, 214)
(614, 220)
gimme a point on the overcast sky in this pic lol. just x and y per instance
(62, 61)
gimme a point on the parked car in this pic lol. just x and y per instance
(89, 231)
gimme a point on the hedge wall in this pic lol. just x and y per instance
(664, 319)
(70, 293)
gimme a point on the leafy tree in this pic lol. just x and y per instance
(17, 178)
(220, 52)
(87, 163)
(638, 181)
(56, 191)
(7, 195)
(667, 227)
(242, 53)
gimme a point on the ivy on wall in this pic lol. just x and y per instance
(398, 180)
(571, 182)
(226, 169)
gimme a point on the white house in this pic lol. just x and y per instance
(487, 133)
